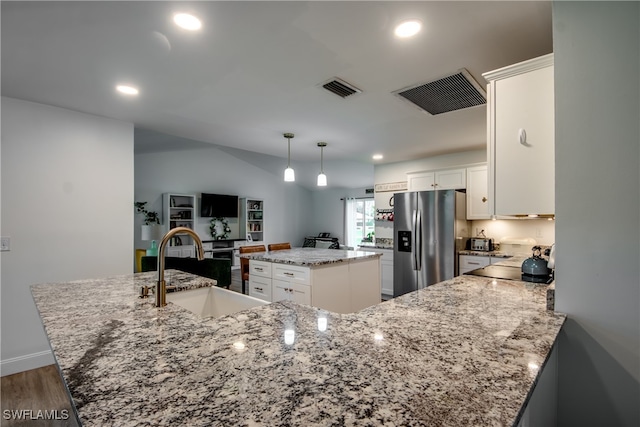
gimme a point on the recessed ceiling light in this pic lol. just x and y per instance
(408, 28)
(377, 157)
(127, 90)
(186, 21)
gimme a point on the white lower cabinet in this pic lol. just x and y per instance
(291, 283)
(186, 251)
(291, 292)
(467, 263)
(260, 280)
(386, 267)
(260, 287)
(343, 287)
(471, 262)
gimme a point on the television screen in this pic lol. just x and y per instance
(218, 205)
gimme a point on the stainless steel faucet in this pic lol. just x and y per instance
(161, 286)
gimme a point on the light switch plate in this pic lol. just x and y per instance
(5, 244)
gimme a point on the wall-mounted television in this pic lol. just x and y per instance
(218, 205)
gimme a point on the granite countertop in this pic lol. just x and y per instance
(461, 352)
(376, 245)
(496, 254)
(379, 243)
(310, 257)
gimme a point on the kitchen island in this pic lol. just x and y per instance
(466, 351)
(341, 281)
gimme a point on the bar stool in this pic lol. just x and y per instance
(279, 246)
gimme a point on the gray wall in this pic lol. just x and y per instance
(597, 90)
(288, 206)
(67, 197)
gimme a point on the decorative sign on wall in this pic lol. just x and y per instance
(391, 187)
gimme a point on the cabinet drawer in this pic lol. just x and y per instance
(259, 268)
(470, 262)
(260, 287)
(291, 273)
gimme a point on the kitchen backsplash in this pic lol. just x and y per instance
(542, 230)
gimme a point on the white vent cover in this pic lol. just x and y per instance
(340, 87)
(449, 93)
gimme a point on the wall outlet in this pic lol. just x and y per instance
(5, 244)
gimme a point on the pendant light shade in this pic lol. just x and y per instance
(289, 174)
(322, 178)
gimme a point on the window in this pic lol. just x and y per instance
(359, 220)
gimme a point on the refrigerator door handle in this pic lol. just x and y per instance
(414, 238)
(418, 240)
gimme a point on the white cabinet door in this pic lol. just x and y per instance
(521, 138)
(421, 181)
(281, 291)
(287, 291)
(437, 180)
(477, 193)
(451, 179)
(301, 294)
(387, 277)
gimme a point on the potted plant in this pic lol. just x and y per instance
(151, 230)
(150, 217)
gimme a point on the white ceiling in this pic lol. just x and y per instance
(254, 71)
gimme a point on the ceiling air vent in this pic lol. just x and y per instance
(449, 93)
(340, 87)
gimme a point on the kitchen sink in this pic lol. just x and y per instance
(213, 301)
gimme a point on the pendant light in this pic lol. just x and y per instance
(322, 178)
(289, 174)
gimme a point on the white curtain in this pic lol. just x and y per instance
(350, 236)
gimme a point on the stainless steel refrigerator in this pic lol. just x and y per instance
(429, 229)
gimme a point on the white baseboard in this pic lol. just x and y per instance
(26, 362)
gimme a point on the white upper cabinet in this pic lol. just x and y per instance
(437, 180)
(520, 126)
(477, 193)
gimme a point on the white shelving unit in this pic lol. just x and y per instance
(252, 220)
(179, 210)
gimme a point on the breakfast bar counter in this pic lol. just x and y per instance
(467, 351)
(311, 257)
(342, 281)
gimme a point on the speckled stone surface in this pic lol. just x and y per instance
(495, 254)
(310, 257)
(457, 353)
(379, 243)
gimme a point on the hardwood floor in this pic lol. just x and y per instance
(35, 398)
